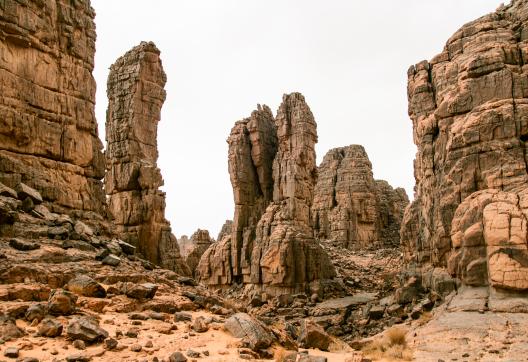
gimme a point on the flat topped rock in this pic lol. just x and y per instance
(346, 302)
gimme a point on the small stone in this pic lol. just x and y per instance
(79, 344)
(132, 332)
(136, 348)
(110, 344)
(111, 260)
(78, 357)
(101, 255)
(149, 344)
(127, 248)
(376, 312)
(177, 357)
(200, 325)
(193, 354)
(11, 352)
(86, 329)
(182, 317)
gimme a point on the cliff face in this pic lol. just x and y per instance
(48, 131)
(350, 207)
(469, 110)
(197, 245)
(135, 97)
(273, 173)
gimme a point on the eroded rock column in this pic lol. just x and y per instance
(135, 97)
(273, 173)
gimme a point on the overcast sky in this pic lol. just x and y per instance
(349, 58)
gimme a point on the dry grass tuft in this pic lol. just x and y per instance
(392, 346)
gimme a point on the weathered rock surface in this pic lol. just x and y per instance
(48, 131)
(469, 110)
(252, 332)
(226, 230)
(135, 97)
(350, 207)
(273, 173)
(200, 241)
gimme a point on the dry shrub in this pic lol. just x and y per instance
(396, 336)
(392, 346)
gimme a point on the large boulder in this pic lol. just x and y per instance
(252, 332)
(61, 302)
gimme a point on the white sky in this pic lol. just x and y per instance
(349, 58)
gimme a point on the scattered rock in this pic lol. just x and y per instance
(61, 302)
(313, 336)
(141, 291)
(79, 344)
(253, 333)
(199, 325)
(11, 352)
(24, 191)
(85, 329)
(182, 317)
(177, 357)
(23, 245)
(50, 327)
(111, 260)
(86, 286)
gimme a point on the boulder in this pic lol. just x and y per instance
(61, 302)
(252, 332)
(23, 245)
(86, 286)
(313, 336)
(50, 327)
(140, 291)
(86, 329)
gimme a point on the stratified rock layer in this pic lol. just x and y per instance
(350, 207)
(469, 107)
(273, 173)
(135, 97)
(199, 242)
(48, 131)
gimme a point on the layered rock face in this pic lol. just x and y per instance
(48, 131)
(135, 97)
(469, 110)
(273, 174)
(350, 207)
(199, 242)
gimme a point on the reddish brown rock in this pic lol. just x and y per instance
(199, 243)
(469, 111)
(135, 97)
(350, 207)
(48, 131)
(272, 169)
(226, 229)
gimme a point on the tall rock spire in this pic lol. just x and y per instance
(135, 97)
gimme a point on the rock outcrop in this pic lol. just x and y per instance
(350, 207)
(226, 229)
(199, 242)
(135, 97)
(48, 131)
(273, 174)
(469, 109)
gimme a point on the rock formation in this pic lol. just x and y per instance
(135, 97)
(273, 173)
(185, 245)
(226, 229)
(350, 207)
(469, 109)
(48, 131)
(198, 244)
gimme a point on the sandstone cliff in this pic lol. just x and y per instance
(350, 207)
(135, 97)
(469, 109)
(48, 131)
(273, 173)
